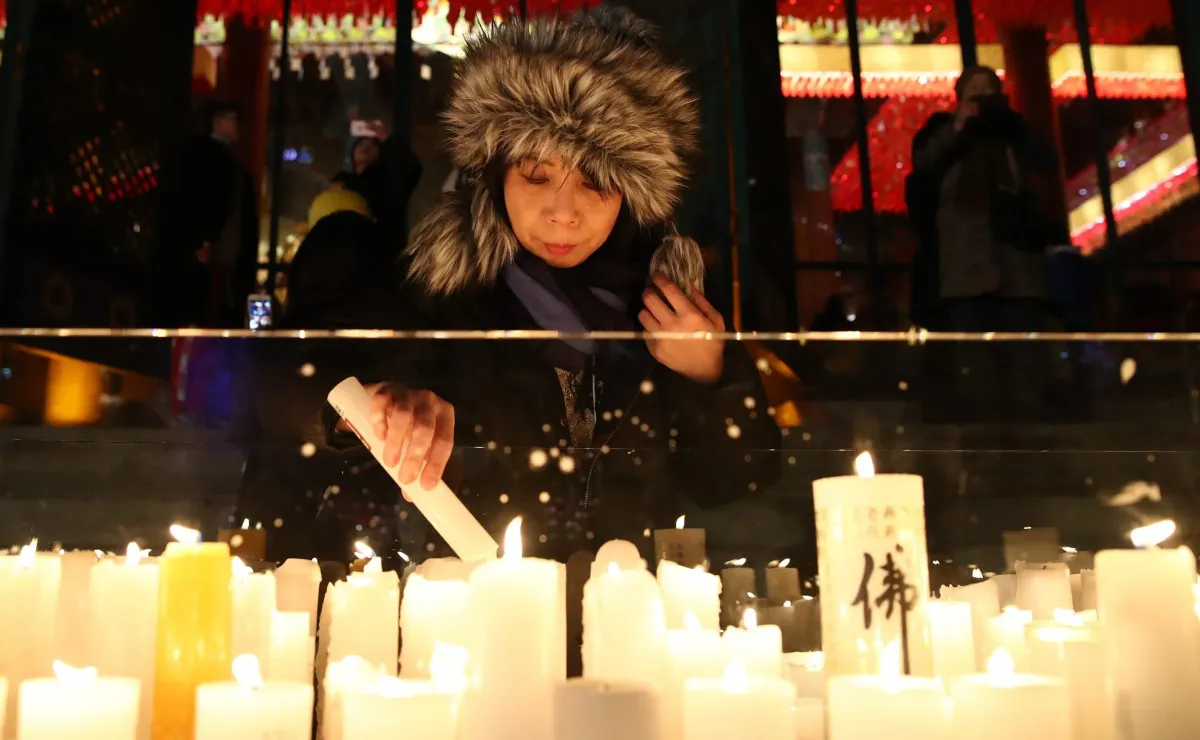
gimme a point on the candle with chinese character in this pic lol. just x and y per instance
(249, 707)
(692, 652)
(783, 583)
(515, 642)
(624, 628)
(591, 709)
(952, 638)
(1043, 588)
(758, 647)
(888, 705)
(28, 600)
(123, 625)
(1003, 704)
(737, 705)
(195, 625)
(681, 545)
(297, 584)
(431, 612)
(365, 617)
(689, 591)
(78, 704)
(873, 569)
(291, 648)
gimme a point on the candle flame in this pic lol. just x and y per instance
(246, 672)
(512, 540)
(784, 563)
(1068, 617)
(374, 565)
(240, 569)
(363, 551)
(690, 623)
(1000, 665)
(749, 619)
(679, 522)
(186, 535)
(977, 574)
(1069, 549)
(448, 666)
(736, 679)
(133, 554)
(404, 556)
(28, 554)
(806, 597)
(736, 562)
(73, 676)
(614, 569)
(787, 604)
(1152, 535)
(891, 666)
(245, 524)
(864, 466)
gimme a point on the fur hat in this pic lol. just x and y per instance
(593, 90)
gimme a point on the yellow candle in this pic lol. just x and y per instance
(195, 614)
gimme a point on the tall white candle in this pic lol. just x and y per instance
(984, 598)
(1042, 588)
(1002, 704)
(297, 584)
(758, 647)
(253, 604)
(624, 628)
(1007, 631)
(590, 709)
(889, 705)
(426, 709)
(430, 612)
(123, 625)
(681, 545)
(783, 583)
(737, 705)
(513, 625)
(874, 570)
(952, 637)
(692, 652)
(291, 648)
(78, 704)
(71, 643)
(806, 671)
(738, 588)
(249, 708)
(1152, 638)
(28, 602)
(689, 591)
(341, 677)
(1089, 691)
(365, 617)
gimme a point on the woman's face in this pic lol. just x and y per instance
(556, 213)
(365, 154)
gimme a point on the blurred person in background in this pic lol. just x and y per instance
(385, 171)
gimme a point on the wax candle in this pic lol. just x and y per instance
(1007, 631)
(1006, 588)
(124, 625)
(71, 624)
(692, 652)
(1089, 691)
(396, 707)
(984, 598)
(365, 617)
(253, 603)
(591, 709)
(889, 705)
(28, 601)
(3, 702)
(291, 648)
(1045, 641)
(249, 708)
(620, 553)
(78, 704)
(447, 569)
(783, 583)
(513, 626)
(737, 705)
(342, 677)
(689, 591)
(195, 623)
(873, 569)
(952, 638)
(444, 511)
(624, 628)
(808, 719)
(1087, 591)
(431, 612)
(784, 617)
(758, 647)
(681, 545)
(1002, 704)
(738, 586)
(806, 672)
(1042, 588)
(297, 585)
(1151, 640)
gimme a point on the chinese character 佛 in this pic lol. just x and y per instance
(896, 594)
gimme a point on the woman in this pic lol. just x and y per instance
(572, 136)
(385, 171)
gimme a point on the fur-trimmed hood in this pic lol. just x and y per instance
(593, 90)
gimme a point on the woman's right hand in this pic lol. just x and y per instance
(415, 424)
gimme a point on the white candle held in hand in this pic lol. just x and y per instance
(78, 704)
(248, 707)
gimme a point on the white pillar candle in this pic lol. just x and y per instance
(785, 618)
(874, 570)
(783, 583)
(414, 709)
(1006, 631)
(590, 709)
(342, 676)
(692, 652)
(253, 604)
(758, 647)
(123, 625)
(297, 585)
(1152, 638)
(808, 719)
(1087, 591)
(249, 708)
(738, 589)
(1006, 588)
(1002, 704)
(365, 617)
(624, 628)
(1045, 640)
(621, 553)
(447, 569)
(513, 625)
(78, 704)
(806, 671)
(28, 601)
(71, 623)
(689, 591)
(430, 612)
(1089, 691)
(291, 648)
(680, 545)
(737, 705)
(984, 598)
(889, 705)
(1042, 588)
(953, 639)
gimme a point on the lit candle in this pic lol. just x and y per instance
(515, 615)
(425, 709)
(591, 709)
(342, 677)
(28, 601)
(1089, 690)
(1007, 631)
(440, 507)
(758, 647)
(689, 591)
(195, 624)
(1045, 641)
(78, 704)
(738, 585)
(291, 648)
(806, 671)
(624, 628)
(984, 598)
(952, 638)
(253, 603)
(75, 579)
(1152, 636)
(783, 583)
(1002, 704)
(692, 652)
(873, 569)
(431, 612)
(365, 617)
(1042, 588)
(297, 584)
(124, 625)
(1087, 591)
(737, 705)
(889, 705)
(620, 553)
(680, 545)
(250, 708)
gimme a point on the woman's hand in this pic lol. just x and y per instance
(701, 360)
(417, 429)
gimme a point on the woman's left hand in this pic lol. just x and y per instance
(701, 360)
